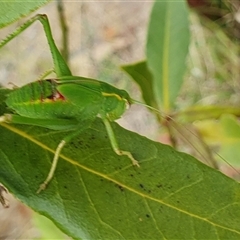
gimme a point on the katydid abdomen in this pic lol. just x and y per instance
(40, 99)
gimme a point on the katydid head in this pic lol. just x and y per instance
(126, 97)
(116, 104)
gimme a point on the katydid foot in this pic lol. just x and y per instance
(130, 156)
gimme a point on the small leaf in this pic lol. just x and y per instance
(13, 10)
(142, 76)
(225, 134)
(96, 194)
(230, 147)
(167, 48)
(46, 228)
(230, 126)
(194, 113)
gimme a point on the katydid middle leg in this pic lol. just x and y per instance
(114, 143)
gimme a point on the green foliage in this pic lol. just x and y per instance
(46, 228)
(227, 133)
(167, 48)
(96, 194)
(13, 10)
(143, 77)
(161, 75)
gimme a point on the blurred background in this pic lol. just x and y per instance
(104, 35)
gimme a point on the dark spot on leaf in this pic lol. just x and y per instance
(160, 209)
(74, 144)
(131, 175)
(147, 215)
(159, 185)
(65, 187)
(141, 185)
(120, 187)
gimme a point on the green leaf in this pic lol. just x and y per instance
(167, 48)
(143, 77)
(225, 134)
(96, 194)
(13, 10)
(199, 112)
(231, 140)
(47, 230)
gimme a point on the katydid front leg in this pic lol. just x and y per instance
(60, 67)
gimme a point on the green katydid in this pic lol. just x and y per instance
(66, 102)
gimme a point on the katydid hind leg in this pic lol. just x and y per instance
(54, 124)
(114, 143)
(58, 150)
